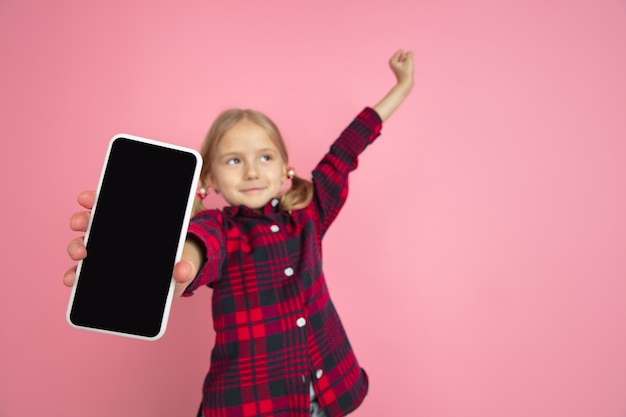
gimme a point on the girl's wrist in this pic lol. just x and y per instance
(404, 86)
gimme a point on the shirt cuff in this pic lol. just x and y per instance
(209, 270)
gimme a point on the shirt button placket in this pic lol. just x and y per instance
(300, 321)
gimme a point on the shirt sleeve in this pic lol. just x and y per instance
(205, 228)
(330, 177)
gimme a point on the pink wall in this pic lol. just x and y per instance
(480, 264)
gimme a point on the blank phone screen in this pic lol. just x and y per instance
(124, 282)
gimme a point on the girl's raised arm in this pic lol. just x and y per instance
(401, 64)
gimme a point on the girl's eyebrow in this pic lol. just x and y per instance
(242, 152)
(232, 153)
(269, 150)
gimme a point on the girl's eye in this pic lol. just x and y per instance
(233, 161)
(265, 158)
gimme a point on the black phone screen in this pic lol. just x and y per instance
(141, 210)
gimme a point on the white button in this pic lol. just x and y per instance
(289, 271)
(274, 228)
(319, 373)
(274, 202)
(301, 322)
(303, 379)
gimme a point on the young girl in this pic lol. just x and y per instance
(280, 348)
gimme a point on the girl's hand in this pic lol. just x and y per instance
(184, 271)
(401, 64)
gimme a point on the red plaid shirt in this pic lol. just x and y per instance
(277, 330)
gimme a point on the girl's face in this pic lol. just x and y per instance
(247, 168)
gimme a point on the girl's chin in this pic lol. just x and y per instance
(252, 203)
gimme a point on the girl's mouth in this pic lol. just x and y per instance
(252, 190)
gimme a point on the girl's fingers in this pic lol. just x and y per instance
(182, 272)
(87, 198)
(396, 56)
(69, 277)
(79, 221)
(401, 61)
(76, 249)
(183, 275)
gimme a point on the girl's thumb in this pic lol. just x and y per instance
(182, 272)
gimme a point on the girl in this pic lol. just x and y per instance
(280, 348)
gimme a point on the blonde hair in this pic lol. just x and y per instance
(301, 192)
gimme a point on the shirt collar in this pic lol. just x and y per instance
(270, 209)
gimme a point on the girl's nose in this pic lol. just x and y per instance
(251, 172)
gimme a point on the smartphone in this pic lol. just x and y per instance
(135, 235)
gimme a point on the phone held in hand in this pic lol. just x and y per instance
(135, 235)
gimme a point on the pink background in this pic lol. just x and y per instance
(480, 263)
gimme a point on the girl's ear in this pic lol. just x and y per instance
(209, 182)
